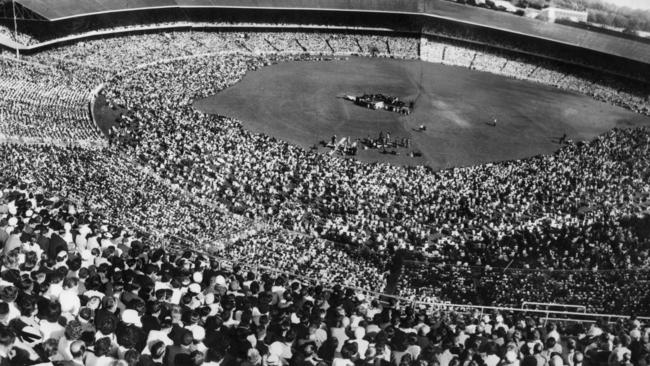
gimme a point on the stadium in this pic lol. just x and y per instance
(177, 186)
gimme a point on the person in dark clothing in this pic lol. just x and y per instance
(150, 320)
(182, 346)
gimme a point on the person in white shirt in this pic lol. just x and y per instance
(70, 296)
(362, 344)
(620, 351)
(491, 359)
(345, 358)
(56, 287)
(50, 327)
(282, 349)
(445, 356)
(553, 333)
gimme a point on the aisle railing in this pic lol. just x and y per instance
(432, 306)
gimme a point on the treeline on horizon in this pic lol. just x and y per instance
(631, 20)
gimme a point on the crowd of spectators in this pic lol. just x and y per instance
(604, 291)
(522, 44)
(609, 248)
(184, 174)
(543, 218)
(76, 290)
(47, 103)
(168, 45)
(451, 52)
(309, 256)
(42, 112)
(113, 186)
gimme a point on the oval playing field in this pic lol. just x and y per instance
(300, 103)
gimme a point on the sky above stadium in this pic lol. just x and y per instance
(635, 4)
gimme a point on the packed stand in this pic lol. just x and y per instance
(137, 50)
(595, 241)
(31, 111)
(38, 107)
(603, 292)
(310, 257)
(114, 186)
(454, 32)
(76, 291)
(625, 94)
(438, 213)
(478, 215)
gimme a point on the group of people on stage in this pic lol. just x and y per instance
(345, 145)
(383, 141)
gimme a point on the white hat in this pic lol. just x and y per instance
(556, 360)
(131, 316)
(221, 281)
(67, 304)
(197, 277)
(195, 288)
(276, 349)
(198, 333)
(84, 229)
(86, 255)
(346, 322)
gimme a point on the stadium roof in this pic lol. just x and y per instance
(65, 9)
(62, 9)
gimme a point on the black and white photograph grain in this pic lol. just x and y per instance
(324, 182)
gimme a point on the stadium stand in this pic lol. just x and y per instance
(439, 9)
(93, 292)
(189, 240)
(139, 90)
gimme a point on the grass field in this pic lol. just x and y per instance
(298, 102)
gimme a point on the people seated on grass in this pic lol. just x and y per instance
(573, 221)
